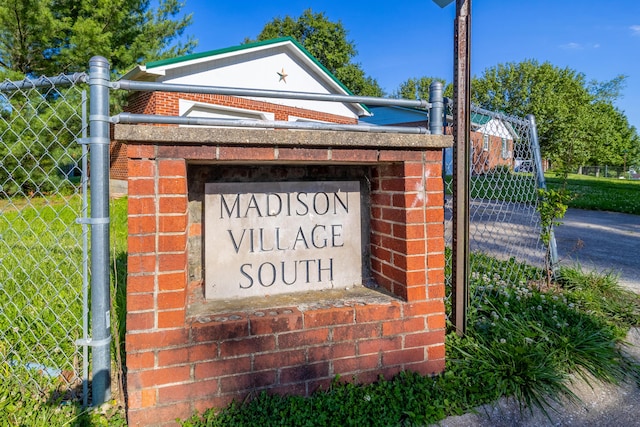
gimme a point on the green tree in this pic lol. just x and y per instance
(575, 119)
(631, 156)
(26, 36)
(38, 147)
(618, 142)
(327, 42)
(352, 76)
(38, 128)
(608, 91)
(418, 88)
(55, 36)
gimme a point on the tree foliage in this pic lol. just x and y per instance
(577, 123)
(38, 147)
(327, 42)
(418, 88)
(54, 36)
(617, 142)
(39, 127)
(608, 91)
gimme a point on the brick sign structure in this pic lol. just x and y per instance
(372, 203)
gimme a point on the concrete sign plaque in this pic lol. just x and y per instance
(271, 238)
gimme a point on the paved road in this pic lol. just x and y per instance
(502, 230)
(601, 241)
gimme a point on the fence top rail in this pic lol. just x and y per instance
(499, 116)
(44, 82)
(130, 118)
(496, 115)
(263, 93)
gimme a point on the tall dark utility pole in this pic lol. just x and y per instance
(461, 161)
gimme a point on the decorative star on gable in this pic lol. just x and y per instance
(283, 76)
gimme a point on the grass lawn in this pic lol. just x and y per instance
(41, 310)
(602, 194)
(41, 283)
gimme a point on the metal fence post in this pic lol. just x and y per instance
(437, 108)
(537, 157)
(99, 81)
(461, 165)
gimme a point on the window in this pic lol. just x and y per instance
(485, 142)
(505, 149)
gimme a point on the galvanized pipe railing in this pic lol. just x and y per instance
(99, 140)
(263, 93)
(436, 113)
(434, 105)
(44, 82)
(130, 118)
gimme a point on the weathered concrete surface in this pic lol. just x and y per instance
(594, 240)
(278, 138)
(501, 230)
(203, 311)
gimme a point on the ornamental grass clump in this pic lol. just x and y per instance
(599, 294)
(527, 343)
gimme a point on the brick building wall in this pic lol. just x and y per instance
(489, 159)
(167, 104)
(179, 362)
(486, 161)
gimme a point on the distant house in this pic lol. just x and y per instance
(492, 143)
(492, 139)
(280, 64)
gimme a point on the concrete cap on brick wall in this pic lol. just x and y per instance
(278, 138)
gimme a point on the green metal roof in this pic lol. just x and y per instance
(480, 119)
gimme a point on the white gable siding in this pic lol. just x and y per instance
(258, 69)
(495, 128)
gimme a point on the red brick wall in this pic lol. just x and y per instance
(486, 161)
(407, 237)
(118, 160)
(167, 104)
(177, 364)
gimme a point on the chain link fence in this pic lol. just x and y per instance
(608, 171)
(504, 224)
(43, 246)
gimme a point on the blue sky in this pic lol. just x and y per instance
(414, 38)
